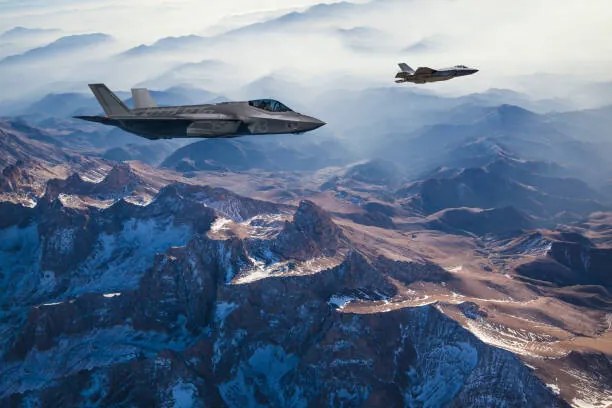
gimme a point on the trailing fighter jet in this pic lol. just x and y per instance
(425, 74)
(226, 119)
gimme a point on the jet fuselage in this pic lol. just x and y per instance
(221, 120)
(424, 74)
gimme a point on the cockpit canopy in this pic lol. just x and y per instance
(270, 105)
(461, 66)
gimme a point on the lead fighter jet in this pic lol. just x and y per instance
(425, 74)
(226, 119)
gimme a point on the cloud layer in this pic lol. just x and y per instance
(341, 44)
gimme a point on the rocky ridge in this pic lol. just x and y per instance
(234, 321)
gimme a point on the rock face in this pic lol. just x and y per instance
(120, 181)
(125, 285)
(130, 296)
(240, 155)
(572, 260)
(13, 176)
(503, 183)
(379, 172)
(311, 233)
(492, 221)
(18, 142)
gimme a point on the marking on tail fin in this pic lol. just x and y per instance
(405, 68)
(142, 98)
(112, 105)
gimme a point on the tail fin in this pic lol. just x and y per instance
(405, 68)
(142, 98)
(111, 104)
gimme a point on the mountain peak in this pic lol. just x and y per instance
(20, 31)
(311, 233)
(514, 112)
(120, 176)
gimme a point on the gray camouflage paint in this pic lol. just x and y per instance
(221, 120)
(425, 74)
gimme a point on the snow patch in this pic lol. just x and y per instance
(28, 202)
(518, 341)
(118, 260)
(265, 226)
(589, 403)
(71, 354)
(223, 310)
(554, 388)
(221, 224)
(229, 206)
(441, 375)
(62, 241)
(263, 373)
(340, 302)
(184, 395)
(141, 201)
(260, 270)
(93, 176)
(52, 303)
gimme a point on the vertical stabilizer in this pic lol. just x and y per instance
(142, 98)
(406, 68)
(111, 104)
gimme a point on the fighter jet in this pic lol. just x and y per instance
(220, 120)
(425, 74)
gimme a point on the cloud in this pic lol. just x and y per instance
(360, 39)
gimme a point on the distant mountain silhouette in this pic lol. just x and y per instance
(23, 33)
(59, 47)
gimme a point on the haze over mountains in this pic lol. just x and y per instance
(337, 45)
(430, 246)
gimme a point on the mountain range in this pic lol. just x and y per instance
(452, 264)
(438, 245)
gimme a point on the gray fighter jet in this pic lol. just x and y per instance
(425, 74)
(226, 119)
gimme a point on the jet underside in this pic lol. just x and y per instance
(165, 128)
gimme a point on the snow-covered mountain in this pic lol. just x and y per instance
(322, 286)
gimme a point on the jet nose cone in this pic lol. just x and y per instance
(316, 123)
(311, 123)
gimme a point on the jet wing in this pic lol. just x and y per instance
(205, 116)
(98, 119)
(424, 71)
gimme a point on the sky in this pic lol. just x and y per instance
(137, 21)
(548, 47)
